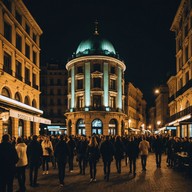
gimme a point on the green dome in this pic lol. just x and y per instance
(95, 46)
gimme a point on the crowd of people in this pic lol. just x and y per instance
(36, 152)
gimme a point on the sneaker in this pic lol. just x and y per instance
(71, 171)
(43, 172)
(61, 185)
(94, 180)
(47, 172)
(91, 180)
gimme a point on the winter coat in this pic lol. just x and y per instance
(21, 149)
(119, 150)
(8, 158)
(45, 145)
(144, 147)
(34, 152)
(93, 153)
(132, 149)
(107, 150)
(61, 151)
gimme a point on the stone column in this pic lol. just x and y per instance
(106, 85)
(15, 127)
(27, 128)
(88, 127)
(35, 128)
(119, 88)
(72, 88)
(87, 85)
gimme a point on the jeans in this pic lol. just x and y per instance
(144, 162)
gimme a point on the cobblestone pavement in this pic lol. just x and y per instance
(162, 179)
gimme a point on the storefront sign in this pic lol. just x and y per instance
(42, 120)
(20, 115)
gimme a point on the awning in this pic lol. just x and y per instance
(179, 120)
(133, 129)
(28, 117)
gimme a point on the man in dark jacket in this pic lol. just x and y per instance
(34, 153)
(107, 152)
(61, 154)
(132, 150)
(158, 148)
(8, 160)
(71, 144)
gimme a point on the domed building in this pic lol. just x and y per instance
(95, 89)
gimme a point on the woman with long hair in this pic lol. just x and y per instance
(47, 152)
(93, 157)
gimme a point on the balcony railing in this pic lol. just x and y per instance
(180, 114)
(182, 90)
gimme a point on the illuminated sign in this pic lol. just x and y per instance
(171, 128)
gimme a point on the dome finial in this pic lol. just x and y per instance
(96, 28)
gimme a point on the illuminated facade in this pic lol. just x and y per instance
(95, 89)
(19, 70)
(180, 85)
(135, 108)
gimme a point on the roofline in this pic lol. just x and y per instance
(178, 15)
(29, 17)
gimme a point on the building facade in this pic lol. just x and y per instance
(180, 85)
(135, 109)
(96, 89)
(19, 70)
(54, 96)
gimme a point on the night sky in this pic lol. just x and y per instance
(139, 31)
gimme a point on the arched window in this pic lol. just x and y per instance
(5, 92)
(27, 100)
(34, 103)
(112, 127)
(80, 127)
(97, 126)
(17, 96)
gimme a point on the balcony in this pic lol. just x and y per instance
(187, 86)
(180, 114)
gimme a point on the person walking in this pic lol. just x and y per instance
(8, 160)
(72, 146)
(132, 152)
(21, 149)
(93, 155)
(81, 154)
(144, 150)
(61, 154)
(158, 149)
(107, 152)
(119, 151)
(34, 153)
(47, 152)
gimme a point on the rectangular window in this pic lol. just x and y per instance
(79, 69)
(7, 31)
(80, 102)
(96, 82)
(34, 57)
(58, 91)
(80, 84)
(112, 85)
(97, 67)
(58, 101)
(34, 79)
(27, 76)
(186, 54)
(186, 77)
(112, 70)
(18, 42)
(7, 63)
(112, 103)
(27, 28)
(96, 101)
(34, 38)
(27, 51)
(18, 17)
(18, 70)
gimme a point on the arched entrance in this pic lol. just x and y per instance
(21, 128)
(7, 127)
(112, 127)
(97, 127)
(80, 127)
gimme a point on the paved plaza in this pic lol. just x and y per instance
(162, 179)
